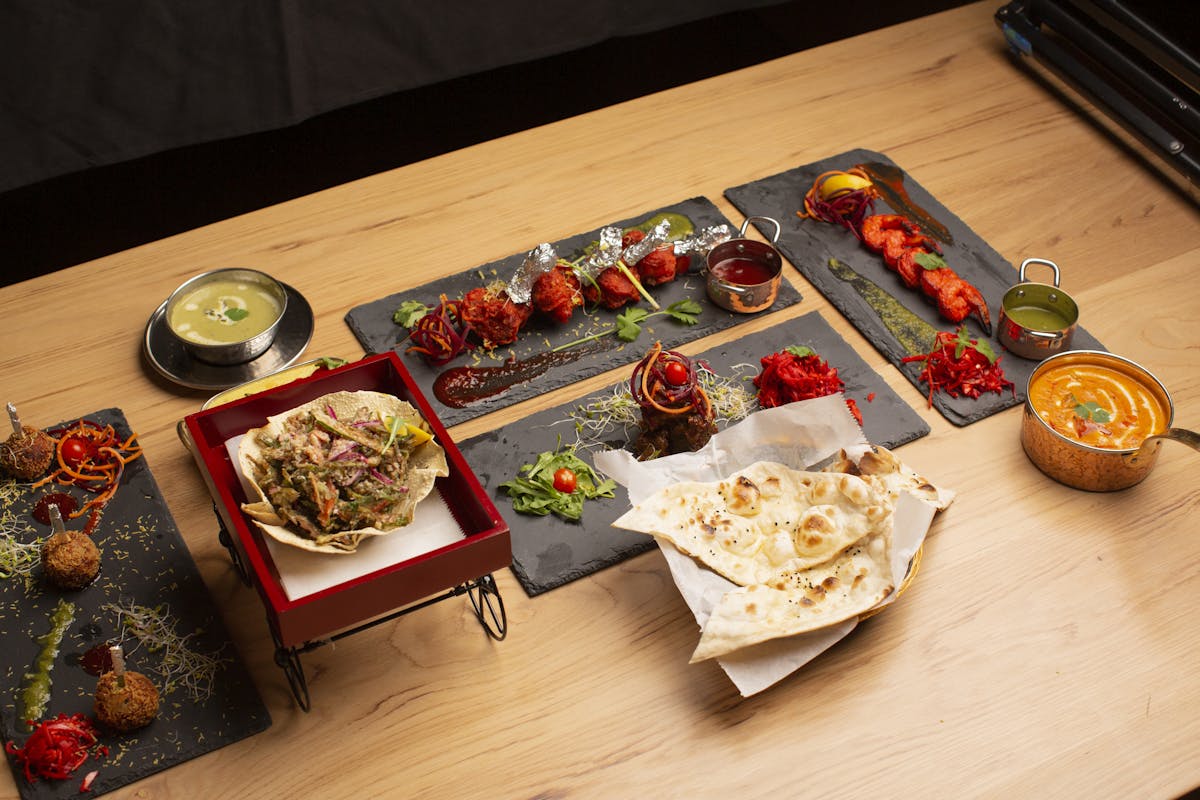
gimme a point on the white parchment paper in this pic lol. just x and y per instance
(798, 435)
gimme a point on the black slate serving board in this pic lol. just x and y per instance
(809, 244)
(549, 552)
(372, 322)
(145, 562)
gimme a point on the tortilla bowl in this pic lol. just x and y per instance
(426, 462)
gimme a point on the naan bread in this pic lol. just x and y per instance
(799, 601)
(426, 463)
(763, 520)
(881, 468)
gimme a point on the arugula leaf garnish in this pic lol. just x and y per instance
(533, 491)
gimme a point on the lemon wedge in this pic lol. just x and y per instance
(839, 184)
(419, 435)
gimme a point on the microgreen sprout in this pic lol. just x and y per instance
(179, 665)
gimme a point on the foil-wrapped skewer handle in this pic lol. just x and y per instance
(14, 418)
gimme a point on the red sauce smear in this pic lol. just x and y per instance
(97, 660)
(461, 386)
(66, 504)
(889, 180)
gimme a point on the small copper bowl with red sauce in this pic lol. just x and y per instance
(743, 274)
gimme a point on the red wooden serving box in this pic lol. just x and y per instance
(485, 546)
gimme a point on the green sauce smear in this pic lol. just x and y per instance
(36, 694)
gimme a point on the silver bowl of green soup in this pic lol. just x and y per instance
(227, 316)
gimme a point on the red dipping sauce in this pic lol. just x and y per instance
(743, 271)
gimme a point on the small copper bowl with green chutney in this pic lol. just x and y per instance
(1037, 320)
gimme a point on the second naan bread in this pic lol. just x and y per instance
(800, 601)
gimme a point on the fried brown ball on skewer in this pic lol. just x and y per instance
(493, 315)
(28, 452)
(70, 559)
(125, 700)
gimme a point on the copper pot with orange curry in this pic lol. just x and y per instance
(1094, 420)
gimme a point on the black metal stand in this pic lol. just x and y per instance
(483, 592)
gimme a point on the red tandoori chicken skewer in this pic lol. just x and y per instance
(902, 245)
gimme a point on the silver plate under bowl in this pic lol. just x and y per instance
(171, 360)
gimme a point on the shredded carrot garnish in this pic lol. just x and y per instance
(92, 458)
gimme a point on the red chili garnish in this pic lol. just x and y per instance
(956, 366)
(56, 748)
(441, 335)
(666, 381)
(92, 458)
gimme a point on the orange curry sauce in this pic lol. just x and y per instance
(1097, 405)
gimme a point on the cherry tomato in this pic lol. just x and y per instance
(675, 373)
(564, 480)
(75, 451)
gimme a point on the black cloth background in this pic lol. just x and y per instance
(85, 83)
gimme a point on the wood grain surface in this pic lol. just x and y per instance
(1049, 643)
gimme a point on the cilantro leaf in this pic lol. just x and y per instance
(237, 314)
(686, 311)
(800, 350)
(930, 261)
(1093, 411)
(629, 323)
(409, 313)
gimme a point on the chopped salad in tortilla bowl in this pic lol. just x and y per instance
(340, 468)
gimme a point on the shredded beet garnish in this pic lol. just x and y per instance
(666, 381)
(846, 207)
(56, 748)
(797, 373)
(441, 335)
(960, 365)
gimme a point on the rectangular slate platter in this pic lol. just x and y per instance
(809, 244)
(372, 322)
(143, 560)
(549, 552)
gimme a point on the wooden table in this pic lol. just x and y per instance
(1050, 642)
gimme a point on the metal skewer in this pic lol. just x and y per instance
(13, 418)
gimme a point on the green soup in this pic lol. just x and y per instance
(224, 311)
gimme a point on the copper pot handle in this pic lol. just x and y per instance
(1028, 261)
(1181, 435)
(775, 222)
